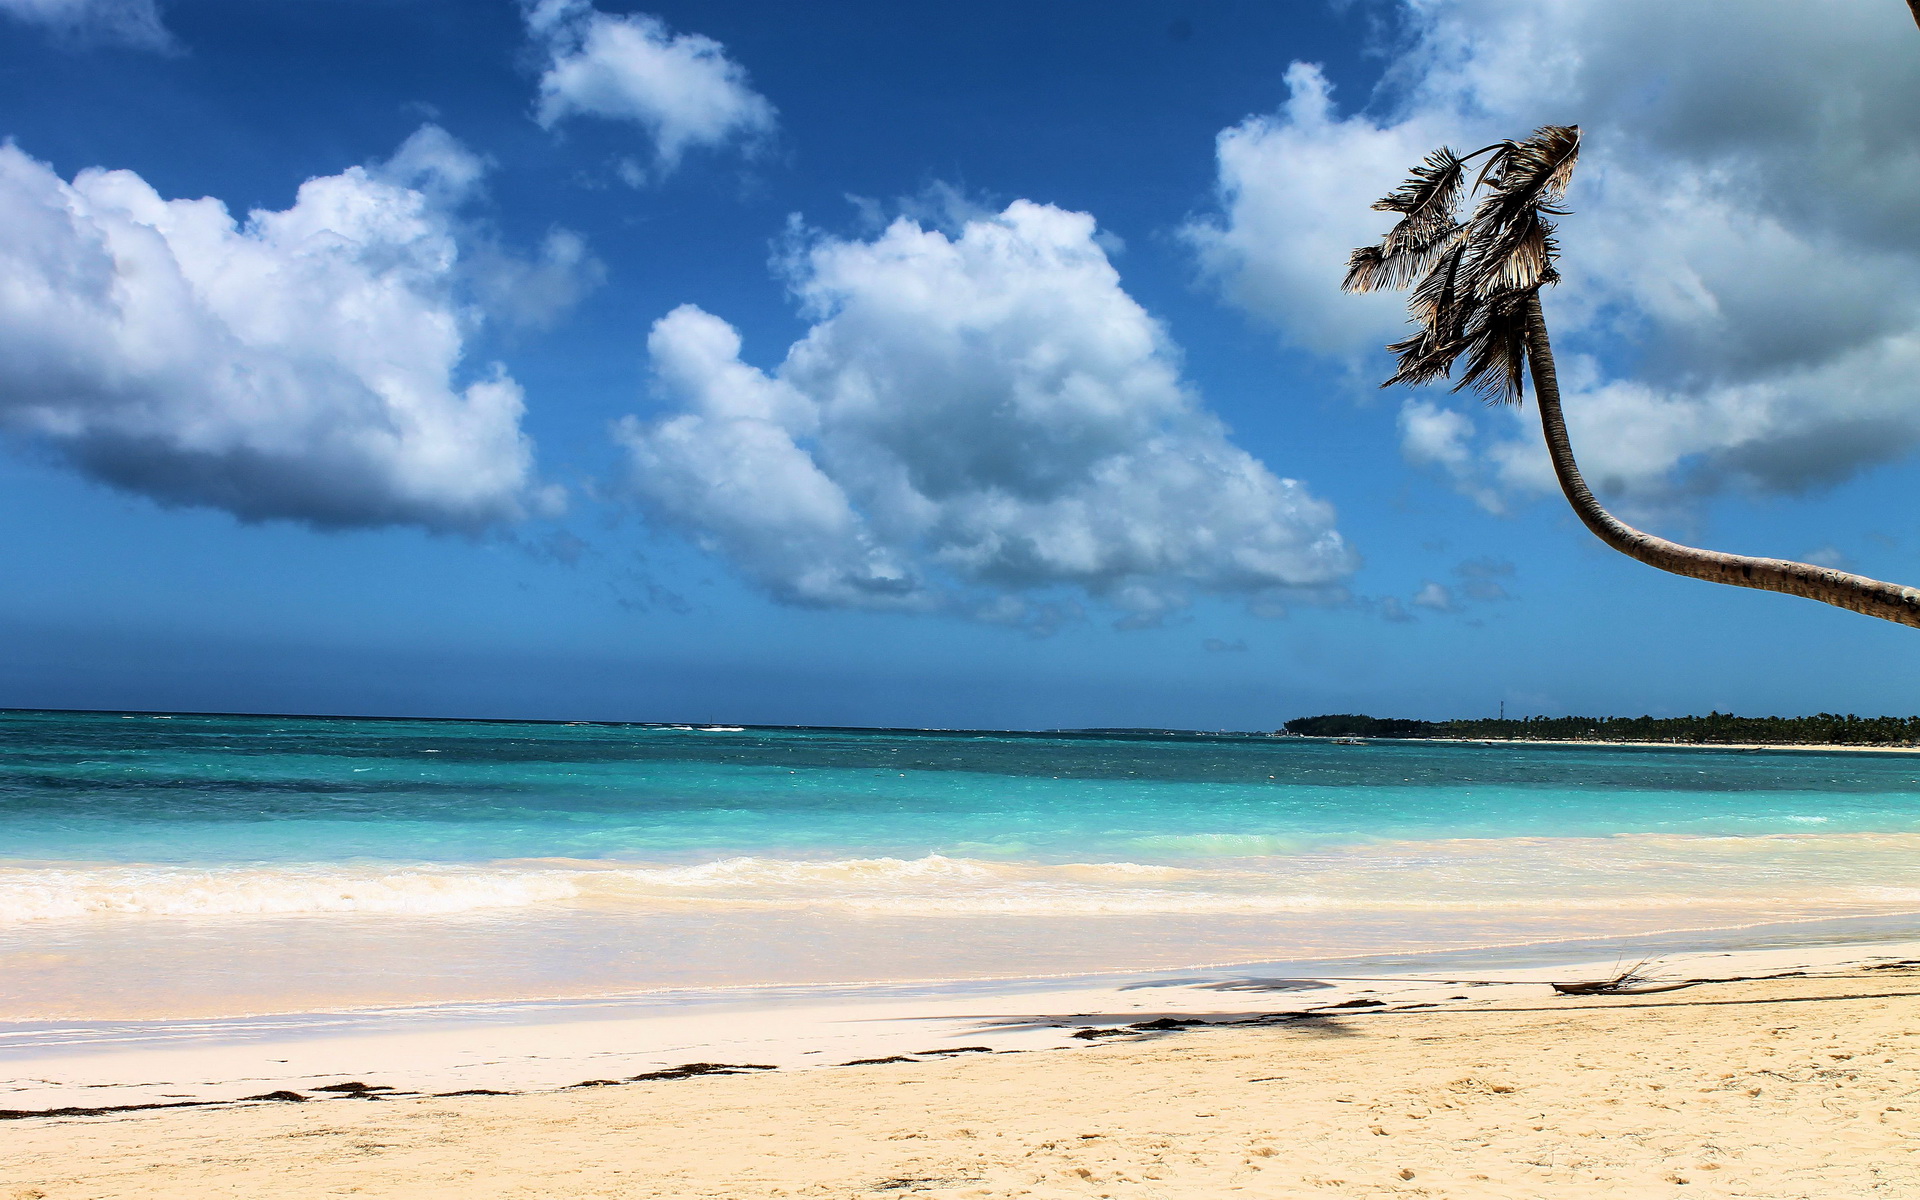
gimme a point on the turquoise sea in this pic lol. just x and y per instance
(199, 865)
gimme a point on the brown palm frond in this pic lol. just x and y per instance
(1496, 349)
(1406, 262)
(1527, 176)
(1500, 152)
(1416, 236)
(1516, 257)
(1401, 258)
(1442, 306)
(1471, 282)
(1432, 192)
(1425, 357)
(1363, 269)
(1439, 298)
(1428, 202)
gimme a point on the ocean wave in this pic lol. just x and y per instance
(1515, 875)
(763, 872)
(1221, 845)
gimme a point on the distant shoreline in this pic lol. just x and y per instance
(1805, 747)
(1727, 731)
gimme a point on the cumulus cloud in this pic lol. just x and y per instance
(1742, 296)
(982, 422)
(681, 88)
(126, 22)
(300, 364)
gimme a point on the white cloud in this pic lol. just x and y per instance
(1296, 189)
(972, 423)
(1434, 596)
(1742, 296)
(535, 291)
(511, 287)
(298, 364)
(1435, 435)
(682, 88)
(128, 22)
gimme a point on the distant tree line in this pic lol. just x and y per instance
(1822, 729)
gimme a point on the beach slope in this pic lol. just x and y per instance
(1805, 1086)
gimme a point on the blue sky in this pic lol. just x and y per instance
(870, 364)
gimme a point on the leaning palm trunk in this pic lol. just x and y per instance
(1476, 295)
(1888, 601)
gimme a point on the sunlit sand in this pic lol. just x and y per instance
(1792, 1081)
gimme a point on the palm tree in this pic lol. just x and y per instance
(1476, 292)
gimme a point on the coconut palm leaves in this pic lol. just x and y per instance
(1471, 279)
(1427, 229)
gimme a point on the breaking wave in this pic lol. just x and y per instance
(1810, 872)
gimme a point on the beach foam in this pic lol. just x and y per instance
(1812, 873)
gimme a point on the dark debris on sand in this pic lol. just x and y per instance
(689, 1070)
(16, 1114)
(683, 1071)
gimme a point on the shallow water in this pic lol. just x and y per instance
(204, 865)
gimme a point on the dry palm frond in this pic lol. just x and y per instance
(1515, 258)
(1527, 177)
(1438, 310)
(1470, 281)
(1363, 269)
(1428, 226)
(1404, 256)
(1433, 190)
(1496, 349)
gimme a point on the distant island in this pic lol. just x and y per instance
(1716, 728)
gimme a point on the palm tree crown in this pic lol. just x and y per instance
(1471, 280)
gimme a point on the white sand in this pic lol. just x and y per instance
(544, 1049)
(1782, 1087)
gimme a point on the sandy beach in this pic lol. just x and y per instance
(1798, 1081)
